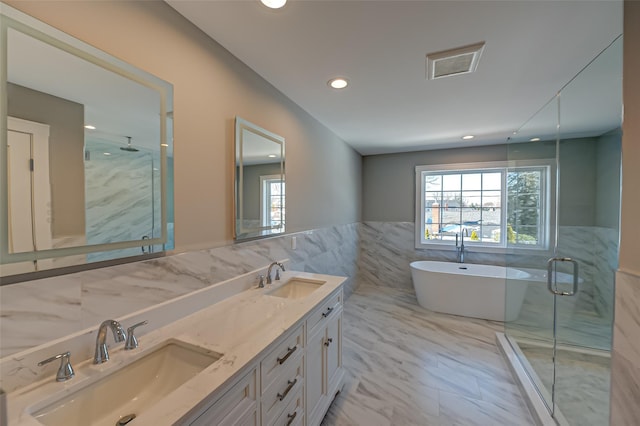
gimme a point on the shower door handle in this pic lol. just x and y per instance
(550, 275)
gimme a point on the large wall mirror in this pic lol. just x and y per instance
(85, 152)
(259, 182)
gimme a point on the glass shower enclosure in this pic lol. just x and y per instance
(562, 334)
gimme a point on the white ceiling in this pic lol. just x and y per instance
(533, 48)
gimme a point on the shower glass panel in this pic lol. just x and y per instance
(564, 339)
(589, 208)
(533, 327)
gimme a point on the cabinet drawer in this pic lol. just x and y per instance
(235, 406)
(294, 412)
(281, 357)
(277, 396)
(319, 316)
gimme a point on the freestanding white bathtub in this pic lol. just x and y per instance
(470, 290)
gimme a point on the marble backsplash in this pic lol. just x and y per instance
(40, 311)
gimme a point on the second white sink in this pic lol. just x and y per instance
(296, 288)
(130, 390)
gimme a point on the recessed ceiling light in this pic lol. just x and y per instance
(466, 138)
(534, 139)
(274, 4)
(272, 156)
(90, 127)
(338, 83)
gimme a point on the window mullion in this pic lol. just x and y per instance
(460, 206)
(503, 204)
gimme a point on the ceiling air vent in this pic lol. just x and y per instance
(462, 60)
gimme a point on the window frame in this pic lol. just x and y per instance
(547, 205)
(265, 201)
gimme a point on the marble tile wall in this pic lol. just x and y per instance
(120, 182)
(625, 370)
(605, 246)
(387, 248)
(40, 311)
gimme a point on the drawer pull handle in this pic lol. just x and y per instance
(284, 358)
(284, 394)
(326, 314)
(328, 341)
(291, 417)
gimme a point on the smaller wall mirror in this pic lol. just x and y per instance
(259, 182)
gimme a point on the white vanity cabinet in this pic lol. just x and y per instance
(282, 373)
(294, 384)
(238, 406)
(324, 358)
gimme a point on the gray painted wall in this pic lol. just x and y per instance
(577, 182)
(585, 164)
(609, 157)
(66, 153)
(323, 173)
(388, 180)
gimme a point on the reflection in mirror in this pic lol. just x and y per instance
(85, 152)
(259, 182)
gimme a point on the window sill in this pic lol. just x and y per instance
(472, 248)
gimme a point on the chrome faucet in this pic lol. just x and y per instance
(460, 248)
(277, 272)
(102, 354)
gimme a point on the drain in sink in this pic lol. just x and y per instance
(125, 419)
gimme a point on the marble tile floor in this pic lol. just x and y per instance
(582, 383)
(408, 366)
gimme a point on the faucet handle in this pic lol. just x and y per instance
(65, 372)
(132, 341)
(277, 275)
(261, 282)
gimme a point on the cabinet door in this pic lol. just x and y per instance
(315, 382)
(333, 345)
(238, 406)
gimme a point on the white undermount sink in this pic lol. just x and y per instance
(129, 390)
(296, 288)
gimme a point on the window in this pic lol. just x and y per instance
(272, 204)
(493, 205)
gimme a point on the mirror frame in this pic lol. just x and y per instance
(19, 21)
(239, 231)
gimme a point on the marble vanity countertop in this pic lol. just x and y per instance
(240, 327)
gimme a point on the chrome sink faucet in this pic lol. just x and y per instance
(280, 265)
(460, 248)
(102, 354)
